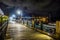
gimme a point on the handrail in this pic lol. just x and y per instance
(3, 29)
(3, 24)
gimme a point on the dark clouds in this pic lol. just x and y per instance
(31, 4)
(43, 6)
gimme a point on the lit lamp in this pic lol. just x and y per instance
(19, 12)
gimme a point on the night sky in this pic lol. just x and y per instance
(33, 7)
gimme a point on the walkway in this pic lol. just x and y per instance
(18, 31)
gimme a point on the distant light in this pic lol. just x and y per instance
(12, 21)
(11, 18)
(13, 15)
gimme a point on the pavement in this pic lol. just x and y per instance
(18, 31)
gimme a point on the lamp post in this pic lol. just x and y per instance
(19, 14)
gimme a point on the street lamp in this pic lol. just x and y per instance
(19, 12)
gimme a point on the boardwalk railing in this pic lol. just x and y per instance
(51, 29)
(3, 29)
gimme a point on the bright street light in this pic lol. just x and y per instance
(19, 12)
